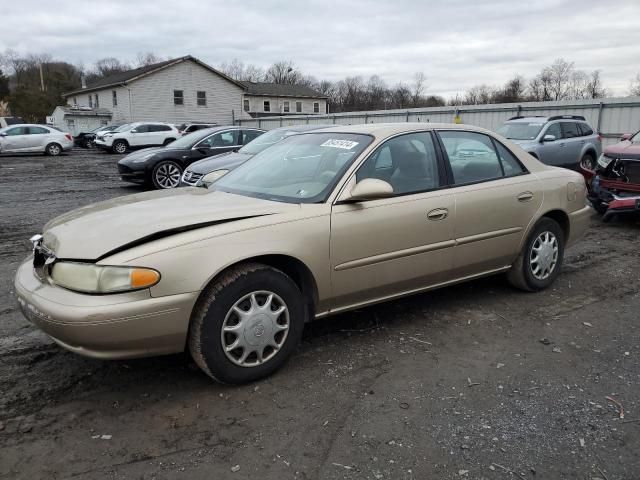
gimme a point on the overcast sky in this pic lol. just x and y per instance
(456, 43)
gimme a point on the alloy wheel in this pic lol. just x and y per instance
(120, 147)
(544, 255)
(255, 328)
(168, 175)
(54, 150)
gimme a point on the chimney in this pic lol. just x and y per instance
(83, 81)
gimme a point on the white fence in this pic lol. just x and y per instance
(611, 117)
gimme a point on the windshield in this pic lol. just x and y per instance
(636, 138)
(124, 128)
(265, 140)
(299, 169)
(520, 130)
(190, 139)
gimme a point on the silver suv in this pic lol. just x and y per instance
(561, 140)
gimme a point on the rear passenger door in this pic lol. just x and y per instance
(38, 138)
(573, 144)
(495, 200)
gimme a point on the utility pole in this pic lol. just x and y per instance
(41, 77)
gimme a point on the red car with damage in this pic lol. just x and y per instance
(614, 179)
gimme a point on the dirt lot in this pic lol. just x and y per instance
(452, 384)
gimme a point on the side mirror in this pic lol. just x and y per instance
(370, 189)
(549, 138)
(133, 131)
(626, 136)
(3, 134)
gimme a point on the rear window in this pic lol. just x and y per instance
(570, 130)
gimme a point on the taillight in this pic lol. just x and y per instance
(68, 135)
(599, 137)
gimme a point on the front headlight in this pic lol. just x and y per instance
(209, 178)
(144, 158)
(90, 278)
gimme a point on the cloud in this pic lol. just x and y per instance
(456, 43)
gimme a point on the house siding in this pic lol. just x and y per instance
(121, 112)
(256, 105)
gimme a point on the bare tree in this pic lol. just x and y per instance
(419, 86)
(147, 58)
(401, 96)
(594, 86)
(284, 72)
(634, 86)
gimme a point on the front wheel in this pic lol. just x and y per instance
(166, 175)
(246, 325)
(540, 261)
(119, 146)
(588, 162)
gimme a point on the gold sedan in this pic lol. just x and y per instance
(318, 224)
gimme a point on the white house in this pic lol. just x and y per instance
(79, 119)
(272, 99)
(183, 90)
(175, 91)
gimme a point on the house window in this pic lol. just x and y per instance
(97, 103)
(202, 98)
(316, 107)
(90, 101)
(104, 123)
(246, 105)
(75, 100)
(267, 106)
(114, 98)
(299, 107)
(285, 108)
(178, 97)
(71, 123)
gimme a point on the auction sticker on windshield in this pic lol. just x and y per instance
(336, 143)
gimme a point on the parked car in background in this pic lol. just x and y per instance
(614, 180)
(8, 121)
(136, 135)
(561, 140)
(320, 223)
(162, 168)
(187, 128)
(206, 171)
(86, 139)
(29, 138)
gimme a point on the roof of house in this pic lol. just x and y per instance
(280, 90)
(122, 78)
(85, 111)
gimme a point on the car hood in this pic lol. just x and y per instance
(95, 231)
(140, 153)
(224, 160)
(624, 149)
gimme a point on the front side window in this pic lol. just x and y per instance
(267, 106)
(201, 98)
(246, 105)
(285, 107)
(143, 128)
(17, 131)
(299, 107)
(570, 130)
(178, 97)
(407, 162)
(316, 107)
(114, 98)
(472, 157)
(299, 169)
(554, 129)
(222, 139)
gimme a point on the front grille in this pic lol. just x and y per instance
(191, 178)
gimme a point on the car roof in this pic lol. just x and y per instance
(388, 129)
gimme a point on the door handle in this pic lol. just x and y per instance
(438, 214)
(525, 196)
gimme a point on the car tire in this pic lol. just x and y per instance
(53, 149)
(166, 175)
(119, 146)
(168, 141)
(87, 143)
(540, 261)
(588, 161)
(217, 324)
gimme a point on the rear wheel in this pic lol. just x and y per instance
(588, 162)
(166, 174)
(246, 325)
(119, 146)
(53, 149)
(540, 261)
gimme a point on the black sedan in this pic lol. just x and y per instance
(86, 139)
(162, 167)
(207, 171)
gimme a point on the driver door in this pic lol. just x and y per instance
(16, 140)
(385, 247)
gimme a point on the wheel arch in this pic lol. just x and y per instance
(561, 218)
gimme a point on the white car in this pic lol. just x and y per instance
(28, 138)
(137, 135)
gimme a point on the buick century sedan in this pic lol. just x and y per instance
(319, 223)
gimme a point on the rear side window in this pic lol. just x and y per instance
(249, 135)
(472, 157)
(585, 129)
(38, 130)
(510, 163)
(160, 128)
(570, 130)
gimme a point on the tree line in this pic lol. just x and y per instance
(33, 84)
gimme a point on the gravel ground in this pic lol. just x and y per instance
(476, 381)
